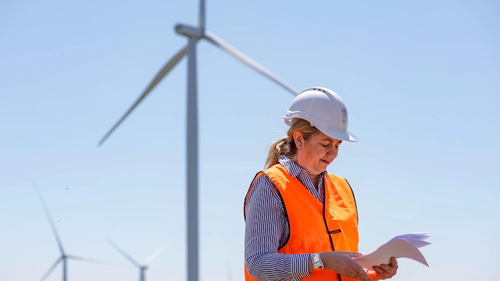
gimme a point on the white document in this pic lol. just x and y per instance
(400, 246)
(417, 239)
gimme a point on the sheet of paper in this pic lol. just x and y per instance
(417, 239)
(418, 243)
(416, 236)
(398, 248)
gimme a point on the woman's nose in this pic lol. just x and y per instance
(332, 152)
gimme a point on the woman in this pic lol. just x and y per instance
(301, 221)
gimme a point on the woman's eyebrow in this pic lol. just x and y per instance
(329, 140)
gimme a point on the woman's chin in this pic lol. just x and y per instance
(322, 166)
(321, 169)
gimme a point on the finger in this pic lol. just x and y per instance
(381, 273)
(378, 269)
(357, 272)
(386, 270)
(354, 255)
(389, 268)
(362, 275)
(386, 267)
(394, 262)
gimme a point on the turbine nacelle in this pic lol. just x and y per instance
(189, 31)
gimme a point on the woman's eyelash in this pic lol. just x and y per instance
(326, 145)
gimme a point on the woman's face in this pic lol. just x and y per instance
(315, 154)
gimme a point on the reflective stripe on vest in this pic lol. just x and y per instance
(315, 227)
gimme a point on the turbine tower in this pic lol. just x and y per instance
(142, 267)
(194, 34)
(64, 256)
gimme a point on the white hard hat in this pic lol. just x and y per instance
(324, 109)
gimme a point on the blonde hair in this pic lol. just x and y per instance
(286, 145)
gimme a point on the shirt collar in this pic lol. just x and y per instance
(293, 168)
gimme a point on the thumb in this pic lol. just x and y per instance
(355, 255)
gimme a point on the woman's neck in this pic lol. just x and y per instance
(315, 179)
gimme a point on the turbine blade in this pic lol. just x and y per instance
(80, 258)
(202, 14)
(49, 217)
(51, 269)
(155, 254)
(164, 71)
(246, 60)
(127, 256)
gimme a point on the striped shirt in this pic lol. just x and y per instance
(267, 228)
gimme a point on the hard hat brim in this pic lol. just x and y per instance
(345, 136)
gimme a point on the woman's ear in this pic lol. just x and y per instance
(298, 139)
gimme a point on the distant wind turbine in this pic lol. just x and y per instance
(142, 267)
(64, 256)
(194, 34)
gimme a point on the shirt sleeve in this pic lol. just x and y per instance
(266, 230)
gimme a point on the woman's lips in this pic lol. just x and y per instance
(326, 162)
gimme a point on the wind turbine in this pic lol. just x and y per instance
(64, 256)
(194, 34)
(142, 267)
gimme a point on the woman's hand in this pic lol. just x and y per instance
(386, 271)
(343, 263)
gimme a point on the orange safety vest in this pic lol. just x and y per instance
(315, 227)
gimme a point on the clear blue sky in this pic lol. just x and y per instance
(420, 80)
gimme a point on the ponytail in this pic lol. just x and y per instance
(286, 145)
(279, 147)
